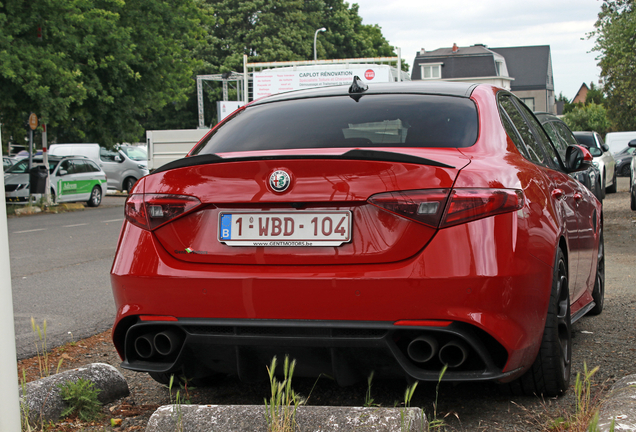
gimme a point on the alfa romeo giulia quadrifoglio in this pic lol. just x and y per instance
(395, 228)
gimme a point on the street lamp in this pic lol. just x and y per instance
(315, 37)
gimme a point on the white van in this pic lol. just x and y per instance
(122, 171)
(617, 141)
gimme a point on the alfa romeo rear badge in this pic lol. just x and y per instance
(279, 181)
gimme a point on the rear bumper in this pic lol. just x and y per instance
(347, 351)
(494, 293)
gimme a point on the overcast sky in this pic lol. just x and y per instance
(431, 24)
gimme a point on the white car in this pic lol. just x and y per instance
(603, 158)
(72, 179)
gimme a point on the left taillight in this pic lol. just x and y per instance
(150, 211)
(441, 208)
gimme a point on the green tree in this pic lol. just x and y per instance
(275, 30)
(91, 69)
(616, 42)
(588, 117)
(567, 105)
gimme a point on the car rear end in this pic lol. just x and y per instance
(328, 226)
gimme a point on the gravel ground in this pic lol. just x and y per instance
(607, 341)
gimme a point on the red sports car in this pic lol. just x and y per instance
(394, 228)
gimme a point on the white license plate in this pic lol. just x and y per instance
(285, 228)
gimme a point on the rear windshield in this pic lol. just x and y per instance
(396, 120)
(587, 140)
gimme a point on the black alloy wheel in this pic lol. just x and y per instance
(128, 184)
(549, 375)
(625, 170)
(598, 294)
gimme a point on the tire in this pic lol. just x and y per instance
(625, 170)
(95, 198)
(613, 187)
(549, 375)
(633, 197)
(598, 294)
(53, 197)
(128, 184)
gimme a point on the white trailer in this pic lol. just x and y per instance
(168, 145)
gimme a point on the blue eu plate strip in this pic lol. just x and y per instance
(226, 227)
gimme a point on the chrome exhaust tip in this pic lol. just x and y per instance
(144, 346)
(453, 354)
(166, 342)
(422, 349)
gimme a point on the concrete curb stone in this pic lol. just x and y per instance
(619, 406)
(44, 400)
(251, 418)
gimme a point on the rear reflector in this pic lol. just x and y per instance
(150, 211)
(156, 318)
(433, 207)
(423, 323)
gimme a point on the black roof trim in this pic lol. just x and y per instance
(356, 154)
(441, 88)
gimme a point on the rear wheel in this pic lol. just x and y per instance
(625, 170)
(599, 285)
(96, 197)
(613, 187)
(128, 184)
(550, 373)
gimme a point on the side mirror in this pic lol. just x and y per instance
(605, 147)
(62, 172)
(577, 158)
(119, 159)
(632, 143)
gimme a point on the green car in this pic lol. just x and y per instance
(72, 179)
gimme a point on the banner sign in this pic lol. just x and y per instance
(272, 81)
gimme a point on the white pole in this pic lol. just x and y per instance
(9, 396)
(246, 97)
(399, 65)
(45, 157)
(322, 29)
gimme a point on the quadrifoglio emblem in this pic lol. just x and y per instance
(279, 181)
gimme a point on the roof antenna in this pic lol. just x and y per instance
(357, 86)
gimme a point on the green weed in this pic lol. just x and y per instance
(81, 398)
(280, 412)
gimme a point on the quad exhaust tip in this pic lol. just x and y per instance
(453, 354)
(163, 343)
(423, 349)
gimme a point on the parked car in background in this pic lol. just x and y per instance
(7, 162)
(122, 171)
(603, 158)
(562, 137)
(394, 228)
(632, 180)
(623, 161)
(619, 140)
(72, 179)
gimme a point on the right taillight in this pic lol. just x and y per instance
(440, 208)
(150, 211)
